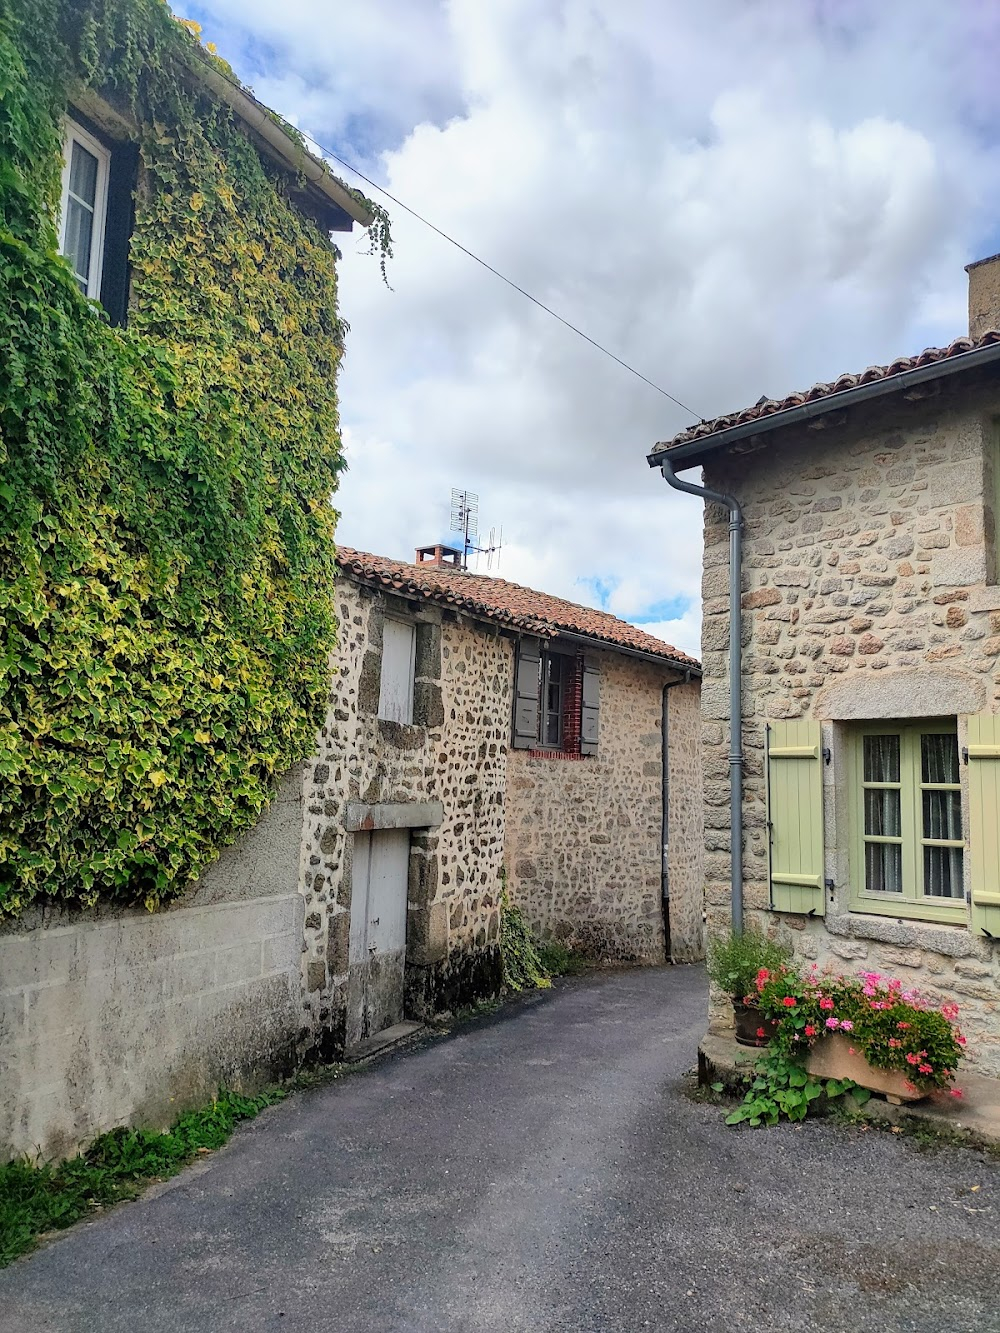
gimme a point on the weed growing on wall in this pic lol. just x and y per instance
(166, 526)
(521, 966)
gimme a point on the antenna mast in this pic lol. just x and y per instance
(465, 521)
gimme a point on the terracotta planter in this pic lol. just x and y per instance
(749, 1020)
(831, 1058)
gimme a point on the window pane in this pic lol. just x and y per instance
(83, 174)
(79, 229)
(943, 872)
(881, 758)
(882, 813)
(883, 867)
(943, 815)
(939, 758)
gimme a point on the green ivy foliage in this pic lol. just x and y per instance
(166, 528)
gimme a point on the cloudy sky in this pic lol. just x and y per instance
(737, 197)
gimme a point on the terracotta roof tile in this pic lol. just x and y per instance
(503, 602)
(767, 407)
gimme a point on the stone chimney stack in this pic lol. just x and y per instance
(984, 295)
(445, 557)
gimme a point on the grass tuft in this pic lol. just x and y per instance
(36, 1198)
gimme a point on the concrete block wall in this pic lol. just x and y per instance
(131, 1018)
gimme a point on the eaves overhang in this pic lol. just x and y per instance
(692, 452)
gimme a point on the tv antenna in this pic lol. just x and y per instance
(465, 519)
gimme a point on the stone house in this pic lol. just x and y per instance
(870, 666)
(481, 733)
(111, 1013)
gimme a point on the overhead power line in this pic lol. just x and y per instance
(348, 166)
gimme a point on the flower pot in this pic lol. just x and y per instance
(749, 1021)
(835, 1057)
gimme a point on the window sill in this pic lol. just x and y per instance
(950, 940)
(555, 754)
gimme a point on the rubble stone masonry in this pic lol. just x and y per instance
(453, 754)
(583, 847)
(869, 592)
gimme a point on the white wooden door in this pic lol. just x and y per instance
(378, 932)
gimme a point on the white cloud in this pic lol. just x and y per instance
(737, 199)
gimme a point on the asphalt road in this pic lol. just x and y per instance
(542, 1170)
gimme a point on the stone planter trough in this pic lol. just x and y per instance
(831, 1057)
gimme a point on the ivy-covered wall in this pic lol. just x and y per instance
(166, 528)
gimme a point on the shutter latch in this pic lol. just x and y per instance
(965, 754)
(830, 886)
(827, 754)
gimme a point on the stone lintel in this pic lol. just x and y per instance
(360, 817)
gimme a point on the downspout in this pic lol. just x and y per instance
(665, 817)
(735, 677)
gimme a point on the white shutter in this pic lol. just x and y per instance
(395, 700)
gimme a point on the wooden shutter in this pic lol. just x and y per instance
(984, 822)
(395, 702)
(590, 707)
(526, 695)
(118, 231)
(795, 816)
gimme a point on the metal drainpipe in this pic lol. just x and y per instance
(665, 818)
(735, 677)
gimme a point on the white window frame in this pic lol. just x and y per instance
(73, 132)
(395, 696)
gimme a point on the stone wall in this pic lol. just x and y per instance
(130, 1018)
(583, 839)
(453, 754)
(869, 592)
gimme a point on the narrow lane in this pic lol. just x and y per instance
(543, 1170)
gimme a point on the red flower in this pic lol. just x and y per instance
(761, 1032)
(926, 1069)
(810, 1030)
(789, 1002)
(826, 1002)
(955, 1092)
(903, 1026)
(912, 1059)
(894, 1043)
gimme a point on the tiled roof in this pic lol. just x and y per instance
(503, 602)
(767, 407)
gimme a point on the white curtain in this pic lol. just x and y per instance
(942, 816)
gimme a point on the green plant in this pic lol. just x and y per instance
(735, 959)
(166, 524)
(559, 961)
(782, 1087)
(117, 1166)
(520, 964)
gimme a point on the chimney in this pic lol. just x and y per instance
(984, 295)
(444, 557)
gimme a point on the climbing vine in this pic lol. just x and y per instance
(166, 526)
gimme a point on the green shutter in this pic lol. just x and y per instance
(526, 694)
(984, 822)
(795, 816)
